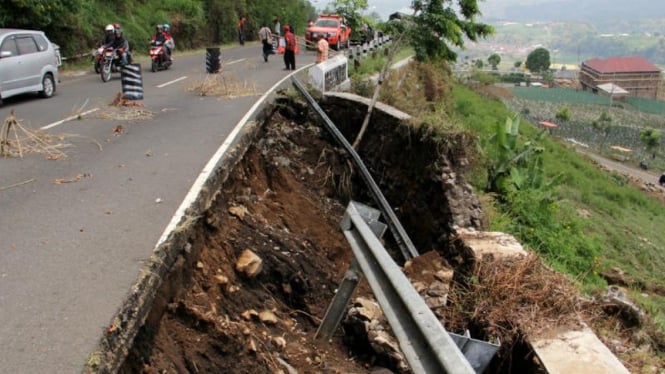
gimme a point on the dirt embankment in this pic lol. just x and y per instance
(266, 258)
(284, 203)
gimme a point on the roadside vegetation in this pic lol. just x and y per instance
(595, 226)
(77, 25)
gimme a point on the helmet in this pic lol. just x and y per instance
(108, 27)
(160, 27)
(166, 27)
(116, 26)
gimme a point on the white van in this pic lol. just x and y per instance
(28, 63)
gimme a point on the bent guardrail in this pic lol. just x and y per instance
(427, 346)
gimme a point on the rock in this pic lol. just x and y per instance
(251, 345)
(249, 264)
(268, 317)
(221, 279)
(478, 244)
(366, 309)
(445, 276)
(279, 342)
(248, 314)
(239, 211)
(419, 286)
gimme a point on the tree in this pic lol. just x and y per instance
(517, 64)
(478, 63)
(494, 60)
(428, 31)
(37, 14)
(351, 11)
(651, 140)
(437, 25)
(538, 60)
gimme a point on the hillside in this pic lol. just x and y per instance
(77, 25)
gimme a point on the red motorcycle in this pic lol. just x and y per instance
(160, 61)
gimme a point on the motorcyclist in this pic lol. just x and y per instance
(121, 45)
(108, 36)
(159, 36)
(170, 43)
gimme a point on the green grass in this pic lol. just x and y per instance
(372, 65)
(596, 221)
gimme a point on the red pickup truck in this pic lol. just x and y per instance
(333, 28)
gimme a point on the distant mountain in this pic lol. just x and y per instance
(592, 11)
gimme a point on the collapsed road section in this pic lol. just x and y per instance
(243, 281)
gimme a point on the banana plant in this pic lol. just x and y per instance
(518, 166)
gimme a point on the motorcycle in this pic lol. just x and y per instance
(98, 58)
(160, 61)
(111, 63)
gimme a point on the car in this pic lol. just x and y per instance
(29, 62)
(333, 28)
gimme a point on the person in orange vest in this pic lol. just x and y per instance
(321, 49)
(289, 49)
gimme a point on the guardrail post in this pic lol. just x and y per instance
(427, 346)
(351, 279)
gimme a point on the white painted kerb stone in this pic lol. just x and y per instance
(577, 352)
(330, 73)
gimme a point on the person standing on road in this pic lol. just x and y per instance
(321, 49)
(278, 28)
(241, 30)
(266, 41)
(289, 49)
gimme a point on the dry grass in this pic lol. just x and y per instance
(17, 140)
(520, 299)
(125, 110)
(223, 84)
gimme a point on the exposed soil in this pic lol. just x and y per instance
(284, 203)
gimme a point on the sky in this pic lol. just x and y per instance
(387, 7)
(383, 7)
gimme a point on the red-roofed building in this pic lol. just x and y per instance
(636, 75)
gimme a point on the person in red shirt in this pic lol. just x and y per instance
(289, 49)
(241, 30)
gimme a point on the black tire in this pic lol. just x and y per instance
(48, 85)
(154, 66)
(337, 45)
(106, 72)
(98, 67)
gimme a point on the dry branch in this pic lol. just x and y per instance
(27, 141)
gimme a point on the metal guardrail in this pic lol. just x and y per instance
(401, 237)
(426, 345)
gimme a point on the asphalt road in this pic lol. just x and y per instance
(69, 252)
(647, 176)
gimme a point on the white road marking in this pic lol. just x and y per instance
(171, 82)
(235, 61)
(54, 124)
